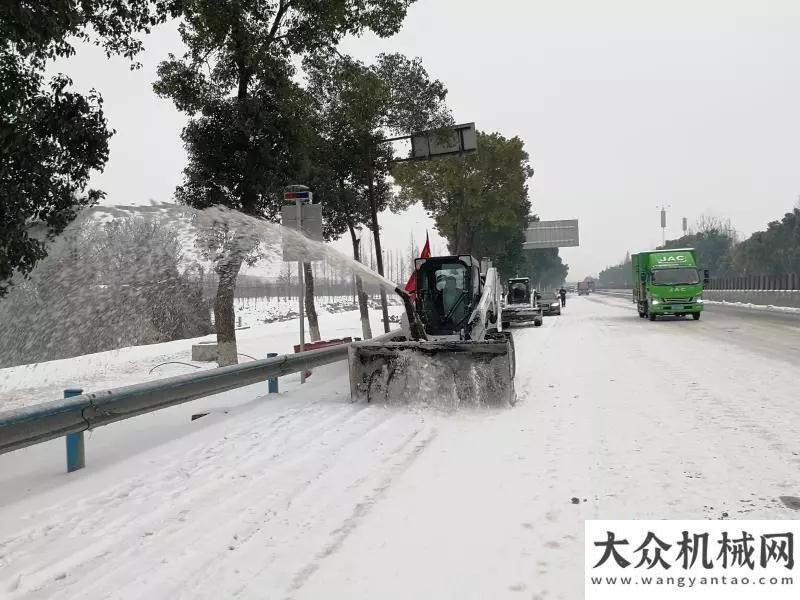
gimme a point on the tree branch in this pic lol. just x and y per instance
(283, 8)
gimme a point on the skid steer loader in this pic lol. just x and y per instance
(521, 305)
(450, 350)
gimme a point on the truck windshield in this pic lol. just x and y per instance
(675, 276)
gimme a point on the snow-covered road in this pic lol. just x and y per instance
(309, 496)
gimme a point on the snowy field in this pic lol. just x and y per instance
(30, 384)
(307, 496)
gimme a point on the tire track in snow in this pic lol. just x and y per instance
(362, 509)
(705, 425)
(613, 412)
(752, 448)
(241, 510)
(176, 470)
(163, 498)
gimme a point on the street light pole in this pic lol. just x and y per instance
(664, 223)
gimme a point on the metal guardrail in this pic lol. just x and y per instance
(42, 422)
(615, 292)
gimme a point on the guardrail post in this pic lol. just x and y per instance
(76, 455)
(272, 384)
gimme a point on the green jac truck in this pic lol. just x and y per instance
(668, 282)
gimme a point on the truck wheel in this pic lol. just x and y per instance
(506, 325)
(537, 322)
(696, 316)
(651, 316)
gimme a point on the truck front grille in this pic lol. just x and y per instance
(677, 300)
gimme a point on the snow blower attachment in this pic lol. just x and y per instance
(521, 305)
(451, 349)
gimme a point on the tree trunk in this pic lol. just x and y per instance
(465, 240)
(471, 243)
(373, 207)
(224, 317)
(459, 232)
(366, 329)
(228, 270)
(311, 311)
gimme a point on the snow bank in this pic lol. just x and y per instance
(769, 307)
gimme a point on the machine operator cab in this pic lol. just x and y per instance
(448, 287)
(519, 291)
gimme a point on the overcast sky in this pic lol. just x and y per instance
(623, 105)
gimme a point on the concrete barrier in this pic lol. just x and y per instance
(763, 297)
(204, 351)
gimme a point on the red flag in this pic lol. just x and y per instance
(411, 286)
